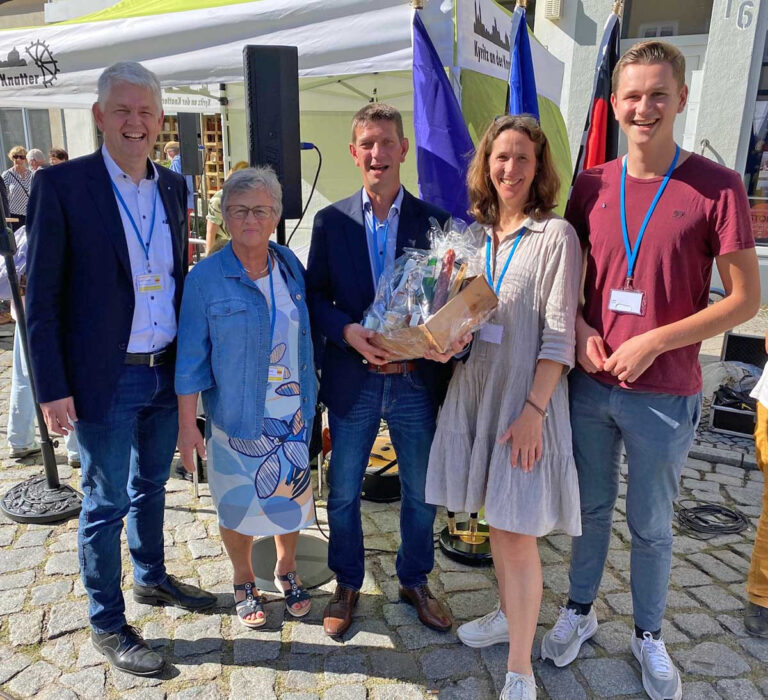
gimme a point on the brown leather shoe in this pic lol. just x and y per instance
(338, 613)
(430, 610)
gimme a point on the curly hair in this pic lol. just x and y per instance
(483, 200)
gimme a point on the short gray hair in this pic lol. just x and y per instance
(261, 177)
(128, 72)
(35, 154)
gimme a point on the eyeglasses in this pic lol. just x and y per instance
(241, 213)
(19, 157)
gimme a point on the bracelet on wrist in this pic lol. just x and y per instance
(536, 408)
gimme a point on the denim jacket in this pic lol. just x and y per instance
(223, 342)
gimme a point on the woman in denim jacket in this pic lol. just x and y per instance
(244, 342)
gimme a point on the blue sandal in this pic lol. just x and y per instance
(249, 605)
(295, 594)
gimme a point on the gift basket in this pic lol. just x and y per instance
(430, 298)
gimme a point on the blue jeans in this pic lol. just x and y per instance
(409, 411)
(21, 412)
(126, 460)
(657, 431)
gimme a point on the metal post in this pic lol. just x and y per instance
(40, 499)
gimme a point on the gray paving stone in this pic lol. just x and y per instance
(346, 692)
(556, 579)
(33, 538)
(12, 601)
(724, 479)
(89, 656)
(610, 677)
(125, 681)
(67, 617)
(471, 687)
(738, 689)
(393, 664)
(700, 484)
(144, 694)
(61, 653)
(418, 636)
(700, 691)
(620, 603)
(732, 559)
(7, 533)
(679, 599)
(252, 683)
(64, 542)
(613, 636)
(712, 659)
(204, 692)
(51, 592)
(300, 680)
(448, 663)
(200, 668)
(299, 696)
(55, 692)
(757, 647)
(310, 639)
(64, 563)
(733, 624)
(751, 495)
(33, 679)
(88, 683)
(560, 683)
(21, 580)
(707, 496)
(688, 576)
(396, 691)
(25, 628)
(697, 625)
(464, 581)
(370, 633)
(468, 606)
(715, 598)
(715, 568)
(13, 664)
(346, 668)
(204, 548)
(671, 634)
(14, 560)
(202, 636)
(397, 614)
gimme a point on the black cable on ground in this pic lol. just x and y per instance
(706, 520)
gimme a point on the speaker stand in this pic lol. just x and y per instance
(311, 562)
(466, 542)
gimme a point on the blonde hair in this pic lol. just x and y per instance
(483, 200)
(647, 53)
(17, 151)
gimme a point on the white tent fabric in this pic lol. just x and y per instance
(58, 65)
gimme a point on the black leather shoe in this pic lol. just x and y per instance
(174, 592)
(127, 650)
(756, 620)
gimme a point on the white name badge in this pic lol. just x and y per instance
(627, 301)
(492, 333)
(276, 373)
(149, 283)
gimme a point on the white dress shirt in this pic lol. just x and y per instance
(154, 315)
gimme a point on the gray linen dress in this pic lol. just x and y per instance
(467, 466)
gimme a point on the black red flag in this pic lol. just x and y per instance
(599, 143)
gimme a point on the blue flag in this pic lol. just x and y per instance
(523, 98)
(443, 145)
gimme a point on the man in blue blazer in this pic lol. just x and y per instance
(352, 241)
(106, 265)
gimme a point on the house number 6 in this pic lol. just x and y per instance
(744, 12)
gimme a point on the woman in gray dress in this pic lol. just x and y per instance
(503, 438)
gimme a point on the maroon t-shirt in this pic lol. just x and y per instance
(703, 213)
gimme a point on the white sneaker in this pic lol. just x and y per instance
(485, 631)
(518, 687)
(660, 677)
(563, 641)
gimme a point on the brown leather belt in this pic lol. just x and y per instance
(393, 367)
(151, 359)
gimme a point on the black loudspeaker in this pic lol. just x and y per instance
(189, 141)
(272, 117)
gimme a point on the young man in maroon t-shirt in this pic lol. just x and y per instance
(651, 225)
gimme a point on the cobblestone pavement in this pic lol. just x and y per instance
(45, 650)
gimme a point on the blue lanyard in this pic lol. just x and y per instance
(273, 309)
(506, 264)
(144, 246)
(632, 253)
(377, 261)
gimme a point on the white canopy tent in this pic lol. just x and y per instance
(58, 65)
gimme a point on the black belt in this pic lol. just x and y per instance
(401, 367)
(150, 359)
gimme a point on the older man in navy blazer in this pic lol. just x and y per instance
(106, 265)
(352, 241)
